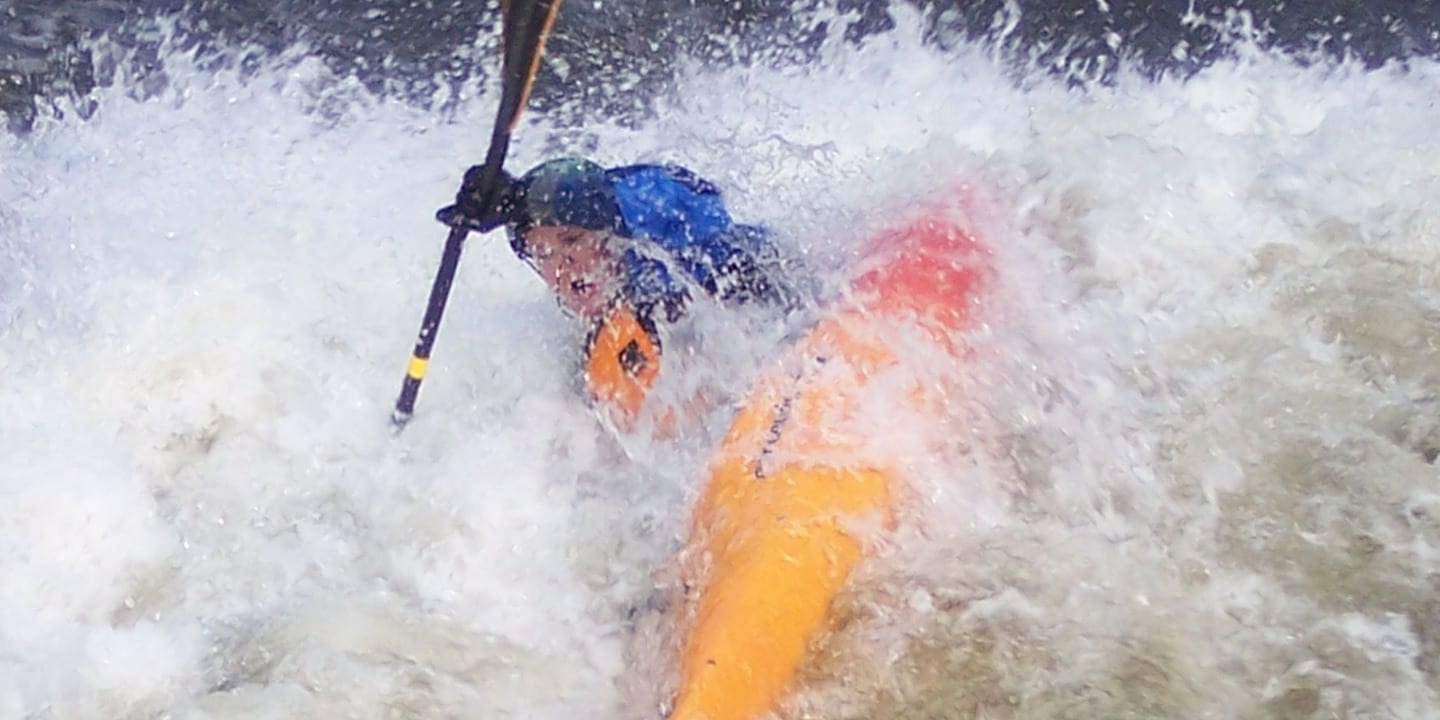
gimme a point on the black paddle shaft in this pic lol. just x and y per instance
(525, 25)
(434, 311)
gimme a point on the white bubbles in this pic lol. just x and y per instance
(82, 544)
(80, 532)
(1198, 429)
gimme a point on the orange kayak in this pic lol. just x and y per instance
(774, 533)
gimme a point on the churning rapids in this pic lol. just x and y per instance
(1200, 477)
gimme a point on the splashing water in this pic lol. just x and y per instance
(1197, 474)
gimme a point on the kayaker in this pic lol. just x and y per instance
(624, 250)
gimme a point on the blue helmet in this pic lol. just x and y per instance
(566, 191)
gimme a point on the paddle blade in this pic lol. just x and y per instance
(527, 24)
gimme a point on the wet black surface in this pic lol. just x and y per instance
(611, 57)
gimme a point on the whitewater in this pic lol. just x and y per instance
(1199, 476)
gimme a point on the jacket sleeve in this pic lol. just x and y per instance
(690, 232)
(754, 271)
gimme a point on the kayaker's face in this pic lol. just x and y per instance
(578, 265)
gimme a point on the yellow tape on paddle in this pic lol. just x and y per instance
(417, 367)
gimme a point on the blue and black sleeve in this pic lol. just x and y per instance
(690, 231)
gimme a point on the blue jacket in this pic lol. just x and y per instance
(689, 231)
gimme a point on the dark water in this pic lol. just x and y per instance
(615, 57)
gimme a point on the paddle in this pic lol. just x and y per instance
(525, 25)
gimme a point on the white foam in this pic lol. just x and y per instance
(1188, 387)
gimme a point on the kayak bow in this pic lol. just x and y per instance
(773, 538)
